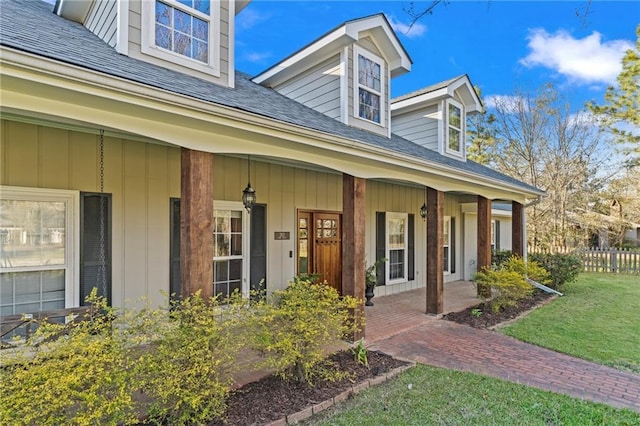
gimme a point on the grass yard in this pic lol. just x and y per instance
(432, 396)
(598, 319)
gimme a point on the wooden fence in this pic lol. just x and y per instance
(608, 260)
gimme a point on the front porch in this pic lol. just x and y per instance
(393, 314)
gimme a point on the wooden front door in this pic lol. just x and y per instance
(320, 246)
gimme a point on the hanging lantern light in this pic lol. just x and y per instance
(423, 209)
(249, 194)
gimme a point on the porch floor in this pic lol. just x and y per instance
(394, 314)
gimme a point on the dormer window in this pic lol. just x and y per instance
(369, 74)
(455, 128)
(185, 32)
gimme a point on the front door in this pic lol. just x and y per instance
(320, 246)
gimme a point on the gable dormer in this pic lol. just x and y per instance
(345, 74)
(435, 117)
(194, 37)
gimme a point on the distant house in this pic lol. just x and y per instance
(128, 137)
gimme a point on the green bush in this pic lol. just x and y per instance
(187, 371)
(507, 281)
(78, 376)
(563, 268)
(294, 327)
(498, 257)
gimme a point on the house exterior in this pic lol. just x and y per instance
(128, 137)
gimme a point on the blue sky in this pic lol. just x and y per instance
(504, 46)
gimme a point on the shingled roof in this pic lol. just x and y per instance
(30, 26)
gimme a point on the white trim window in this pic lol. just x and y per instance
(397, 250)
(369, 82)
(38, 237)
(446, 244)
(186, 32)
(455, 127)
(493, 235)
(231, 248)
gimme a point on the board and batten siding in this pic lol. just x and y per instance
(135, 44)
(141, 178)
(317, 88)
(420, 127)
(102, 20)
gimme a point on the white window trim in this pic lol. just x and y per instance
(493, 234)
(357, 50)
(72, 234)
(405, 278)
(447, 243)
(234, 205)
(463, 130)
(149, 47)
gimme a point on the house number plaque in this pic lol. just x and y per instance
(281, 235)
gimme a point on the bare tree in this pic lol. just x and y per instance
(537, 140)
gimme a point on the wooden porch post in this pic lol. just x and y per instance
(353, 239)
(196, 222)
(435, 257)
(517, 231)
(484, 238)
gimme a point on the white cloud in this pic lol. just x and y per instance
(588, 60)
(410, 31)
(507, 103)
(249, 18)
(257, 56)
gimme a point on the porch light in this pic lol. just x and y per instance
(249, 194)
(423, 211)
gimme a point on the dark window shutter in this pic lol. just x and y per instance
(175, 288)
(497, 235)
(452, 249)
(381, 250)
(258, 247)
(411, 246)
(95, 211)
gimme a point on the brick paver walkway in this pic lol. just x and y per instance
(454, 346)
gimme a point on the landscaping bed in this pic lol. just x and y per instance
(272, 398)
(482, 316)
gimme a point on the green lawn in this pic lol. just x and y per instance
(432, 396)
(598, 319)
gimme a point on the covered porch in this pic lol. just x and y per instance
(393, 314)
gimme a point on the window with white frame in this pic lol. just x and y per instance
(455, 127)
(493, 235)
(369, 86)
(183, 31)
(38, 234)
(446, 243)
(396, 247)
(230, 248)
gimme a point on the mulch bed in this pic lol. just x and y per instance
(271, 398)
(488, 318)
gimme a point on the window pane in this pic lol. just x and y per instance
(222, 245)
(445, 254)
(22, 292)
(396, 233)
(32, 233)
(396, 264)
(163, 37)
(181, 44)
(455, 116)
(454, 139)
(202, 6)
(368, 73)
(163, 14)
(236, 245)
(200, 29)
(182, 22)
(181, 32)
(235, 269)
(369, 106)
(236, 221)
(222, 271)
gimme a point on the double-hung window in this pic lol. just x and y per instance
(455, 127)
(183, 31)
(397, 249)
(369, 79)
(446, 243)
(38, 233)
(230, 248)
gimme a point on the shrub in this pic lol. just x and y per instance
(187, 372)
(507, 281)
(563, 268)
(294, 326)
(498, 257)
(72, 376)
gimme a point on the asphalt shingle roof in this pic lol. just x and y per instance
(32, 27)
